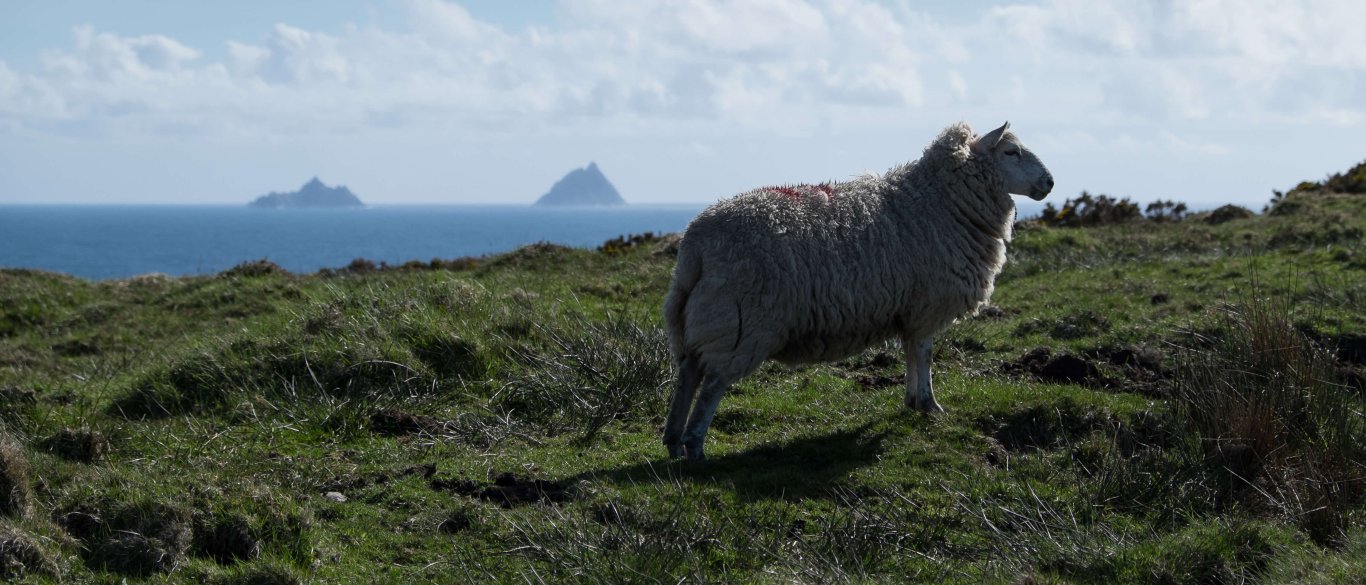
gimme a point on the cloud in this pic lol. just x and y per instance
(1192, 60)
(754, 63)
(695, 68)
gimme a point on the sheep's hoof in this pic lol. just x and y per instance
(676, 450)
(928, 406)
(695, 451)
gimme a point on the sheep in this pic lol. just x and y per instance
(811, 273)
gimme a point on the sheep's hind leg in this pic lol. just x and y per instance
(919, 382)
(689, 376)
(712, 391)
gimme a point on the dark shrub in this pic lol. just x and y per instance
(1226, 214)
(1089, 210)
(250, 268)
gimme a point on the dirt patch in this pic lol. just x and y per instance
(83, 445)
(455, 522)
(1123, 368)
(1349, 347)
(871, 381)
(507, 490)
(878, 360)
(226, 540)
(1065, 368)
(1140, 370)
(393, 422)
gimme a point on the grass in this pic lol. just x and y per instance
(1144, 402)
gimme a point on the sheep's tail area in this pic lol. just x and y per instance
(687, 272)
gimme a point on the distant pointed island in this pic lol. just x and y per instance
(586, 186)
(313, 194)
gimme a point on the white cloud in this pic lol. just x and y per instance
(1099, 78)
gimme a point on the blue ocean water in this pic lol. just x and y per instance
(118, 241)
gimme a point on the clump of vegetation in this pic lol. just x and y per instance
(254, 268)
(21, 556)
(226, 538)
(139, 537)
(1353, 181)
(1165, 211)
(14, 482)
(83, 445)
(1087, 210)
(588, 374)
(624, 243)
(1271, 413)
(1227, 213)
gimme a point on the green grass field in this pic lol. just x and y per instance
(1145, 402)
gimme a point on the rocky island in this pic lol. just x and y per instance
(313, 194)
(586, 186)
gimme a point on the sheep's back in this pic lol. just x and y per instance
(824, 277)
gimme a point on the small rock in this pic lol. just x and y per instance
(335, 496)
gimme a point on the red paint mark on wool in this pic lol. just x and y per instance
(802, 191)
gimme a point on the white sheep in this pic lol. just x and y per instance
(811, 273)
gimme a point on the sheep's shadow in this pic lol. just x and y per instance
(803, 467)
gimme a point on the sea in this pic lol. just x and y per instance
(100, 242)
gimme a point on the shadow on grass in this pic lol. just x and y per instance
(804, 467)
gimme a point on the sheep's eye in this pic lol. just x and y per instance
(1012, 153)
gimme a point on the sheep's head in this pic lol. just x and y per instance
(1023, 172)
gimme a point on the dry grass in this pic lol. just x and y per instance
(14, 481)
(1275, 420)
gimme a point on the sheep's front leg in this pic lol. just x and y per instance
(919, 383)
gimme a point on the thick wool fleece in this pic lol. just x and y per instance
(819, 272)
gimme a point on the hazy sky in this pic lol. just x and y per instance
(431, 101)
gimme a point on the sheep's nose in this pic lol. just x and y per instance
(1048, 183)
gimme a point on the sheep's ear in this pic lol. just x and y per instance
(988, 141)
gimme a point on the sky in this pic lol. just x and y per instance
(677, 101)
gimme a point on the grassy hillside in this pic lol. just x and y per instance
(1145, 401)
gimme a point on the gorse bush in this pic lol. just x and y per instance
(1167, 210)
(1088, 210)
(1352, 181)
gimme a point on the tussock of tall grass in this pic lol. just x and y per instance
(1269, 409)
(14, 482)
(586, 374)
